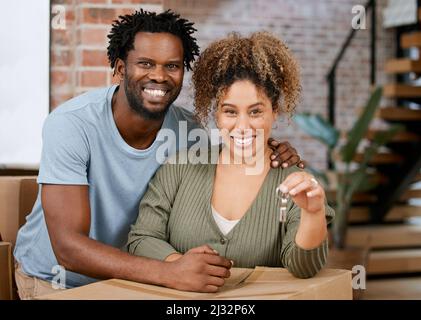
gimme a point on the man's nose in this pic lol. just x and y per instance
(158, 74)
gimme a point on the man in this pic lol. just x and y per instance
(99, 153)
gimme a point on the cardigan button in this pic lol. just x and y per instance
(223, 241)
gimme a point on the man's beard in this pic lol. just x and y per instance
(136, 102)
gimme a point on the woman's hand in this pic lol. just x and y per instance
(305, 191)
(202, 249)
(310, 197)
(284, 155)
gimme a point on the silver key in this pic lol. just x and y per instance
(283, 197)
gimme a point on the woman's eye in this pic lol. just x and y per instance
(255, 112)
(230, 112)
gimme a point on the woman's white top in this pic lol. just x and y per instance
(224, 224)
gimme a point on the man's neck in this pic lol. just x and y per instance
(137, 131)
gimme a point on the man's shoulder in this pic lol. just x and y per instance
(81, 109)
(83, 101)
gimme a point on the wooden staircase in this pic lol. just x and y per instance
(394, 114)
(403, 136)
(397, 90)
(403, 65)
(399, 213)
(412, 39)
(388, 219)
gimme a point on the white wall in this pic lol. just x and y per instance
(400, 13)
(24, 80)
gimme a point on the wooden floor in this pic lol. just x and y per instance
(408, 288)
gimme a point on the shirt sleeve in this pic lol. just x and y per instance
(302, 263)
(65, 151)
(149, 236)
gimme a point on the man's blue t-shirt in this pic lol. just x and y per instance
(82, 146)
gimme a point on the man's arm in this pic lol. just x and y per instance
(67, 214)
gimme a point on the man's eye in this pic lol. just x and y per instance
(145, 64)
(172, 66)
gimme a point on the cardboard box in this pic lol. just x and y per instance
(17, 197)
(248, 284)
(6, 289)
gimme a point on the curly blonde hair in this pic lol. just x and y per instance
(261, 58)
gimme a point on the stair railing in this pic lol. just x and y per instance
(331, 75)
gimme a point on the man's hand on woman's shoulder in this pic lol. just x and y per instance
(284, 155)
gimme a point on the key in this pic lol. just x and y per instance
(282, 204)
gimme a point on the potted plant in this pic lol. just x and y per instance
(349, 180)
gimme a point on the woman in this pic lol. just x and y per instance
(245, 83)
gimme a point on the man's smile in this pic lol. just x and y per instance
(155, 92)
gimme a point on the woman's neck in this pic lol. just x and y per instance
(255, 165)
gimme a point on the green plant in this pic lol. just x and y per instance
(348, 182)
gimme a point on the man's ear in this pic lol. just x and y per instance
(120, 69)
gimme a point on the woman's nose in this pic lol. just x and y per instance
(243, 123)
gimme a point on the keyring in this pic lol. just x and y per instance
(278, 192)
(283, 197)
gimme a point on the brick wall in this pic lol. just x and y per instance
(78, 52)
(314, 30)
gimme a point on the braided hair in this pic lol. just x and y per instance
(124, 30)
